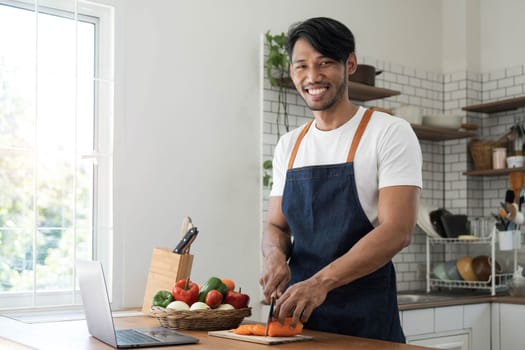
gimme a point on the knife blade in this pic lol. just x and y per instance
(183, 246)
(270, 317)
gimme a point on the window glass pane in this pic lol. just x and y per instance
(55, 259)
(16, 260)
(17, 77)
(16, 190)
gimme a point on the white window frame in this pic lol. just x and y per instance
(101, 157)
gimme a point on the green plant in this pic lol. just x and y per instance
(277, 66)
(267, 178)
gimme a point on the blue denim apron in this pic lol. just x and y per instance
(322, 208)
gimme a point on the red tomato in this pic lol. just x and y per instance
(213, 298)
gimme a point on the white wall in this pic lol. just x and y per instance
(188, 120)
(501, 35)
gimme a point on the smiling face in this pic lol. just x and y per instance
(321, 81)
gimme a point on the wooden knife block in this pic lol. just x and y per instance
(166, 268)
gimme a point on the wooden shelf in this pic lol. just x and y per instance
(497, 106)
(357, 91)
(493, 172)
(432, 133)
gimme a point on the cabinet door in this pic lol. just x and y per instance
(477, 317)
(418, 321)
(449, 342)
(511, 318)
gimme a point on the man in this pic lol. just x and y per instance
(346, 188)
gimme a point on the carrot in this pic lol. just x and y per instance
(284, 330)
(258, 329)
(244, 329)
(275, 329)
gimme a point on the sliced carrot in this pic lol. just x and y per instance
(244, 329)
(275, 329)
(284, 330)
(258, 329)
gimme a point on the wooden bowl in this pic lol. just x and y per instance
(464, 265)
(482, 266)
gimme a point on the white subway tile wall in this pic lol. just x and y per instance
(443, 161)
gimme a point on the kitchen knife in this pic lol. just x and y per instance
(183, 247)
(270, 317)
(186, 222)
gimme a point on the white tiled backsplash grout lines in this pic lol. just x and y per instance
(443, 161)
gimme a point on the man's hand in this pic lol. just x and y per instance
(276, 275)
(300, 300)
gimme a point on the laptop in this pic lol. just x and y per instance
(100, 320)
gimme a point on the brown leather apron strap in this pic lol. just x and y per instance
(357, 137)
(297, 143)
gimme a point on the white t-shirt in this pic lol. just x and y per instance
(388, 155)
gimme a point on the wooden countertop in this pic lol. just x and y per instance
(74, 335)
(463, 299)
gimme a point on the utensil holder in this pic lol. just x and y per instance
(509, 240)
(165, 269)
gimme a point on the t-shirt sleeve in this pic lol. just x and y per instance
(400, 159)
(279, 169)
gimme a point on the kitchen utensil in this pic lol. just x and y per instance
(270, 316)
(509, 239)
(451, 271)
(455, 225)
(410, 113)
(260, 339)
(183, 247)
(515, 161)
(499, 156)
(185, 226)
(517, 284)
(517, 180)
(439, 271)
(464, 265)
(512, 211)
(482, 266)
(365, 74)
(423, 220)
(435, 219)
(509, 196)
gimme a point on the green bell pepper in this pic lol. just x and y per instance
(162, 298)
(212, 283)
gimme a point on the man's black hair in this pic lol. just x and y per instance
(327, 36)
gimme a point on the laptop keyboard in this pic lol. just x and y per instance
(131, 336)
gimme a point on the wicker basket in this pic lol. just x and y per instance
(211, 320)
(481, 152)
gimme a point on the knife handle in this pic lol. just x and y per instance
(186, 241)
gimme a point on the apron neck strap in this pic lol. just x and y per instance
(355, 142)
(297, 143)
(358, 134)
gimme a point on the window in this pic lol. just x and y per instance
(56, 111)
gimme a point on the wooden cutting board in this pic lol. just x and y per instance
(259, 339)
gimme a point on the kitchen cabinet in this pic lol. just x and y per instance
(507, 326)
(357, 91)
(465, 327)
